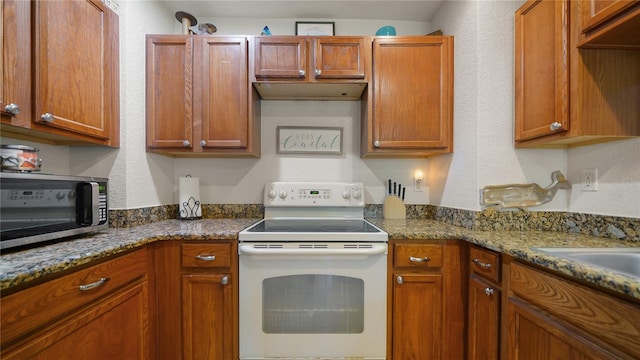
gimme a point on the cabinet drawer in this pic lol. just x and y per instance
(26, 310)
(418, 255)
(485, 263)
(607, 318)
(206, 255)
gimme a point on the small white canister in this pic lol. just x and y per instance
(189, 196)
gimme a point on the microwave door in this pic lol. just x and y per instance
(87, 204)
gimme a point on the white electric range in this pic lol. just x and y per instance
(313, 276)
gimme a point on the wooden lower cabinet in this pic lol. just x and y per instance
(483, 320)
(417, 316)
(207, 311)
(59, 320)
(534, 335)
(426, 300)
(551, 317)
(196, 299)
(483, 316)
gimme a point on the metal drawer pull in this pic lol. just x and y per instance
(481, 264)
(47, 117)
(94, 285)
(206, 257)
(225, 280)
(12, 109)
(419, 260)
(489, 291)
(399, 279)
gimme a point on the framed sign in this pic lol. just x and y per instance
(308, 140)
(315, 28)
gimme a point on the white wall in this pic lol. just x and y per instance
(483, 129)
(152, 179)
(483, 137)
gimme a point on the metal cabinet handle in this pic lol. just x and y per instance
(225, 280)
(376, 144)
(186, 143)
(318, 72)
(12, 109)
(203, 142)
(555, 126)
(418, 259)
(301, 72)
(94, 285)
(489, 291)
(205, 257)
(399, 280)
(481, 264)
(47, 117)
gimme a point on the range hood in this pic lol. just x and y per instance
(310, 91)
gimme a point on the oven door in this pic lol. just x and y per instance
(305, 300)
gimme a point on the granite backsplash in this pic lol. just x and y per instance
(487, 220)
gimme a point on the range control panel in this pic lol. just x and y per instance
(314, 194)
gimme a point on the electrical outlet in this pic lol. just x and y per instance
(417, 184)
(589, 180)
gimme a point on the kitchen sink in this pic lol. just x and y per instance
(620, 260)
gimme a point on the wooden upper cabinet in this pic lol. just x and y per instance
(610, 24)
(339, 57)
(15, 61)
(565, 95)
(198, 96)
(304, 58)
(75, 85)
(280, 57)
(224, 93)
(169, 92)
(76, 70)
(409, 108)
(309, 68)
(542, 73)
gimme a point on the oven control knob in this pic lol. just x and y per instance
(283, 194)
(346, 194)
(357, 194)
(272, 194)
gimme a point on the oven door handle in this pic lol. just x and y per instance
(374, 250)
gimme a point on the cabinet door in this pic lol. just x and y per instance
(535, 335)
(597, 12)
(609, 24)
(483, 320)
(15, 63)
(114, 328)
(541, 68)
(339, 58)
(280, 57)
(169, 94)
(76, 67)
(412, 93)
(225, 119)
(417, 316)
(207, 317)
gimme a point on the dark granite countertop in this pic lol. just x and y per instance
(27, 265)
(19, 267)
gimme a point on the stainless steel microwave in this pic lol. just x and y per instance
(38, 207)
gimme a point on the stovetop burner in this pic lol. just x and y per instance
(313, 212)
(313, 226)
